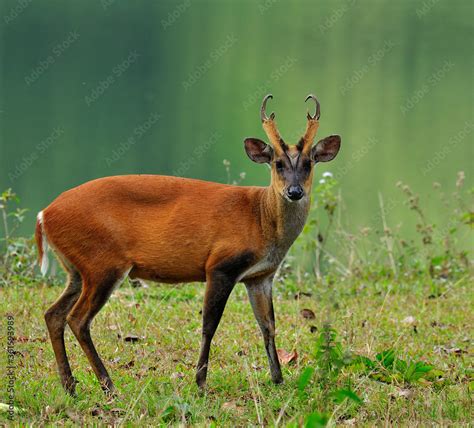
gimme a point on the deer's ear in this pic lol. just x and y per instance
(326, 149)
(258, 151)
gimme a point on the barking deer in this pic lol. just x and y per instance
(174, 230)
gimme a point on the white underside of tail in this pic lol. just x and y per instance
(45, 246)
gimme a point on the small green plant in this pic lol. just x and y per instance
(316, 420)
(389, 368)
(329, 355)
(332, 368)
(329, 361)
(19, 255)
(11, 219)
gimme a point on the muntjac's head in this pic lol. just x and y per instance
(292, 165)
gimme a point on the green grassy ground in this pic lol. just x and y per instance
(155, 375)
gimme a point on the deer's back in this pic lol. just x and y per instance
(167, 228)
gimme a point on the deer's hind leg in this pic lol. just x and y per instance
(55, 318)
(96, 290)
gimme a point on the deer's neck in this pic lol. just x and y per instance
(284, 220)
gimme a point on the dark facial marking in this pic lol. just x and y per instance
(294, 172)
(283, 145)
(300, 144)
(306, 165)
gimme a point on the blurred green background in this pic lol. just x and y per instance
(97, 88)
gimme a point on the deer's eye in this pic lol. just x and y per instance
(307, 165)
(279, 165)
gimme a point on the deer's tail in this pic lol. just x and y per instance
(42, 244)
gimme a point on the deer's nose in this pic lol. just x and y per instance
(295, 192)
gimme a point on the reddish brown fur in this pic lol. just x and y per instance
(271, 129)
(312, 127)
(168, 229)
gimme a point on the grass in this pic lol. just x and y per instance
(155, 375)
(378, 328)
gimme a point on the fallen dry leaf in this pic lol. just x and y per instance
(287, 357)
(308, 314)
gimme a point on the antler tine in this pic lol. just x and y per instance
(311, 127)
(317, 115)
(263, 115)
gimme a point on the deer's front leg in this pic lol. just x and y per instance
(221, 278)
(260, 295)
(218, 288)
